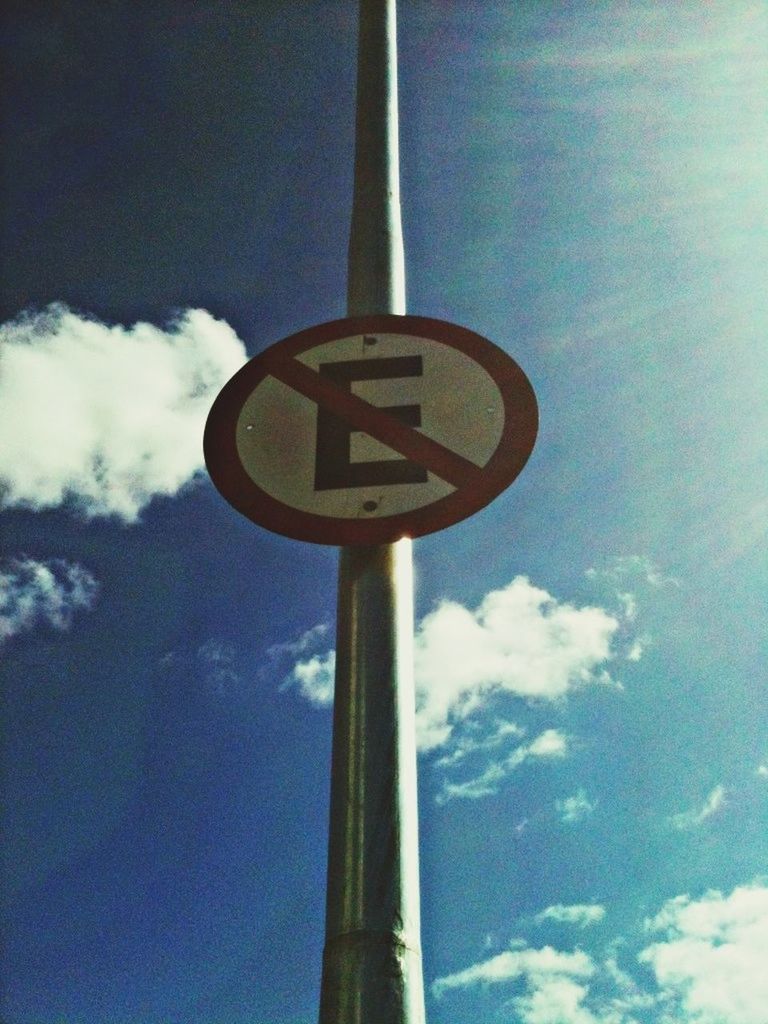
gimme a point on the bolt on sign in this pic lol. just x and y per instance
(368, 429)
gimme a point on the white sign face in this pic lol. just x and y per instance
(371, 428)
(281, 434)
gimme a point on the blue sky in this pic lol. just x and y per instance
(585, 185)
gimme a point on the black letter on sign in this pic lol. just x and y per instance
(333, 468)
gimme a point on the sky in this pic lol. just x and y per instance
(585, 185)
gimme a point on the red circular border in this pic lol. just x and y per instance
(514, 448)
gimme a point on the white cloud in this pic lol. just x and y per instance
(557, 1000)
(51, 592)
(708, 965)
(547, 745)
(762, 769)
(698, 815)
(519, 641)
(105, 418)
(313, 674)
(637, 648)
(711, 964)
(580, 914)
(314, 678)
(550, 743)
(558, 986)
(574, 808)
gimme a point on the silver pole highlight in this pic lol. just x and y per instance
(372, 970)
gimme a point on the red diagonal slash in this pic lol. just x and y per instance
(361, 415)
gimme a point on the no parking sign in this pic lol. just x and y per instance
(368, 429)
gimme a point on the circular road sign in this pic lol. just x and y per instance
(365, 430)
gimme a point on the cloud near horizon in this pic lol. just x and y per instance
(711, 961)
(707, 966)
(33, 592)
(102, 418)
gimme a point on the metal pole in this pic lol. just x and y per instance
(372, 959)
(376, 268)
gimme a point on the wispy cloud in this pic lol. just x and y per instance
(632, 568)
(574, 808)
(638, 573)
(104, 418)
(33, 592)
(580, 914)
(308, 640)
(548, 745)
(475, 740)
(518, 963)
(218, 657)
(698, 815)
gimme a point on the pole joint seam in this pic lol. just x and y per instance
(368, 936)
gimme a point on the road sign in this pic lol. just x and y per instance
(365, 430)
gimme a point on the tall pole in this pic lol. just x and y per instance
(372, 959)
